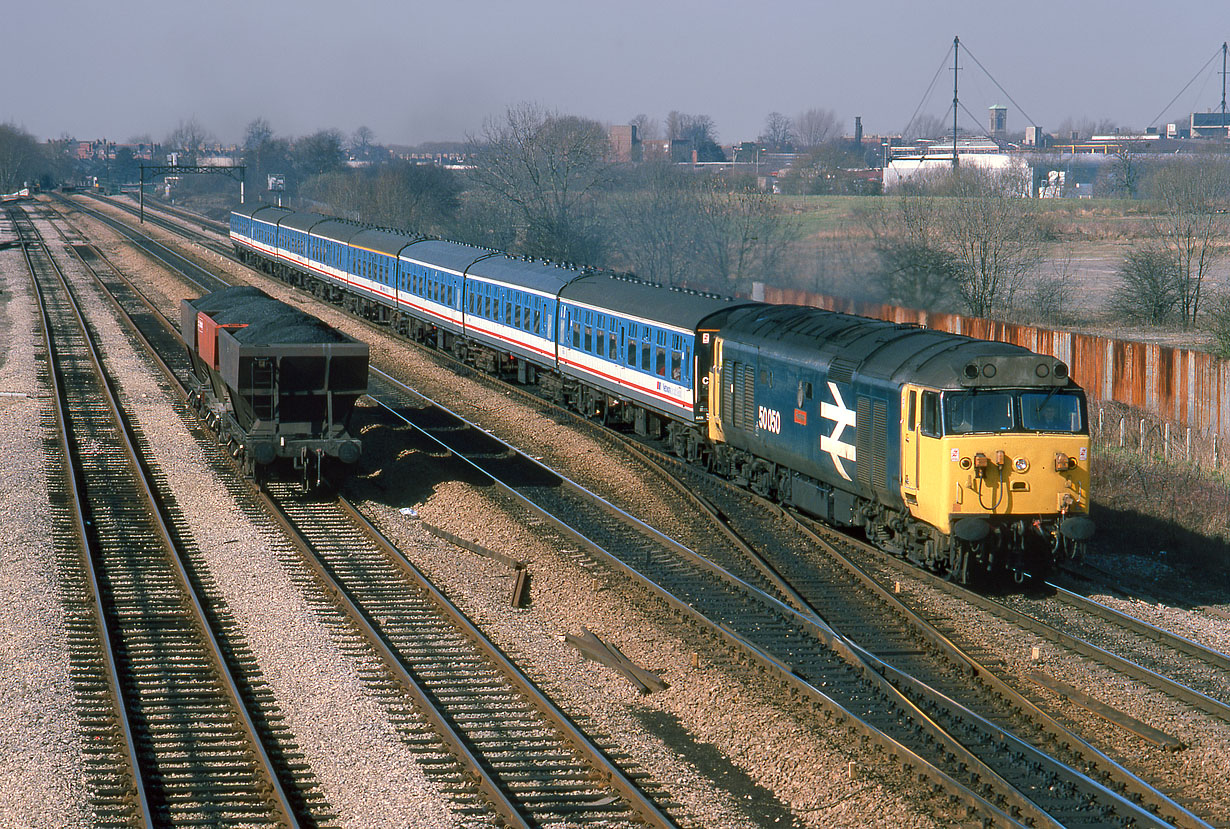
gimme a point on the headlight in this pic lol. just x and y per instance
(1020, 465)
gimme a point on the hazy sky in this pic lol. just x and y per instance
(418, 70)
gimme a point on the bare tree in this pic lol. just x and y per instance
(417, 197)
(1217, 323)
(188, 139)
(549, 167)
(361, 142)
(927, 126)
(1191, 222)
(915, 268)
(742, 235)
(21, 160)
(778, 132)
(647, 129)
(971, 226)
(674, 125)
(1046, 297)
(655, 217)
(991, 229)
(318, 153)
(257, 133)
(1125, 171)
(814, 126)
(1085, 127)
(1149, 286)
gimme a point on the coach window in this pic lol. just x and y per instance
(589, 339)
(930, 425)
(537, 318)
(612, 348)
(659, 361)
(676, 365)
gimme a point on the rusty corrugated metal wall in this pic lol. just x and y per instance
(1172, 384)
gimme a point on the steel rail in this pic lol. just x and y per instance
(647, 811)
(1125, 620)
(775, 664)
(801, 605)
(157, 515)
(78, 511)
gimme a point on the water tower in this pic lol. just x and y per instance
(998, 121)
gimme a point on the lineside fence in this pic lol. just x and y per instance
(1167, 403)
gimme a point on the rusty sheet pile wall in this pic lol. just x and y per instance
(1172, 385)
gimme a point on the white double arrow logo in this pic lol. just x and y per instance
(841, 417)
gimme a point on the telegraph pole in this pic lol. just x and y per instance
(956, 44)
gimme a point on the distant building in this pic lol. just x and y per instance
(997, 120)
(1210, 125)
(907, 161)
(625, 144)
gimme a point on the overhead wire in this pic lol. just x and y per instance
(997, 85)
(1199, 71)
(927, 94)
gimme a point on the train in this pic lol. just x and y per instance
(966, 457)
(277, 385)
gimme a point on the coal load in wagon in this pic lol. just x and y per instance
(267, 321)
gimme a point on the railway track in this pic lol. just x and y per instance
(496, 744)
(834, 573)
(178, 734)
(931, 730)
(908, 656)
(531, 761)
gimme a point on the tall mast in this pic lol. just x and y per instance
(1223, 85)
(956, 44)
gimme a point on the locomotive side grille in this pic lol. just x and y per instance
(746, 398)
(879, 455)
(863, 441)
(841, 370)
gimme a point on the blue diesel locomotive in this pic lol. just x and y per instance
(963, 456)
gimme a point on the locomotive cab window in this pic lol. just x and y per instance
(1011, 410)
(1051, 412)
(930, 424)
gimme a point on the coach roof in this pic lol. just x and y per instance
(441, 255)
(388, 242)
(647, 300)
(268, 212)
(531, 274)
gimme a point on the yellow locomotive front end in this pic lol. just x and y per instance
(999, 467)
